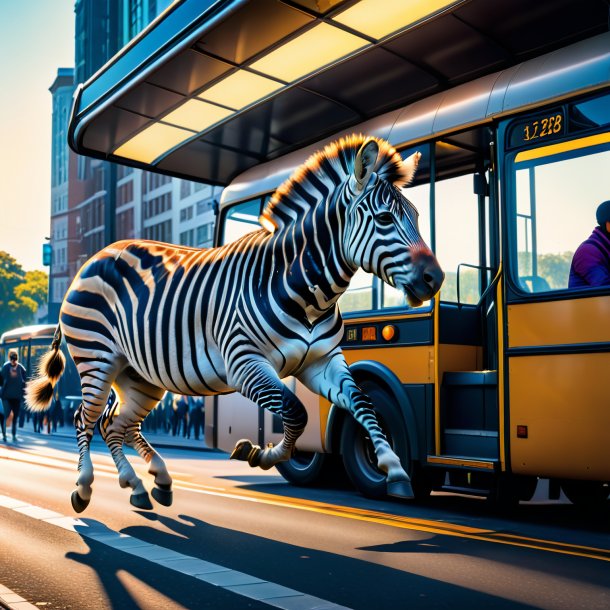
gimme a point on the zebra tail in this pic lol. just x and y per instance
(39, 389)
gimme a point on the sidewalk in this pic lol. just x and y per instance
(157, 439)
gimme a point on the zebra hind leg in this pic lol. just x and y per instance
(162, 492)
(269, 392)
(96, 384)
(120, 424)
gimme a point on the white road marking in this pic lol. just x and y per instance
(14, 601)
(239, 583)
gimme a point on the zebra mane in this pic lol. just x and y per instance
(334, 161)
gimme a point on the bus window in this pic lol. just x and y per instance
(457, 237)
(359, 295)
(419, 196)
(556, 199)
(241, 219)
(37, 351)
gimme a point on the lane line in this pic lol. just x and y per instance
(239, 583)
(371, 516)
(410, 523)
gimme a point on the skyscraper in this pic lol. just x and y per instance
(98, 202)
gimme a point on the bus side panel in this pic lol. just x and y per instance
(563, 401)
(557, 388)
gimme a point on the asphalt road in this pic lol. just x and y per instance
(242, 538)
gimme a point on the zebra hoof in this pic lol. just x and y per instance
(400, 489)
(141, 501)
(246, 452)
(164, 497)
(78, 504)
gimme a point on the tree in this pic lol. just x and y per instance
(35, 288)
(21, 293)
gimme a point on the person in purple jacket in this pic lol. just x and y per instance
(591, 261)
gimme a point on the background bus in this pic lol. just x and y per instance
(31, 343)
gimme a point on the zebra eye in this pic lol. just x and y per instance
(385, 218)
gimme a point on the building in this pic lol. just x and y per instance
(59, 276)
(95, 202)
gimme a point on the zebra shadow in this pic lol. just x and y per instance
(129, 582)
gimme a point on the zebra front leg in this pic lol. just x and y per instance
(263, 386)
(162, 492)
(331, 378)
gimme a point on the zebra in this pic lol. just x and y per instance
(145, 317)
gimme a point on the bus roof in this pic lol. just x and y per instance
(582, 67)
(28, 332)
(205, 92)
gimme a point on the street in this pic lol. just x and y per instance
(242, 538)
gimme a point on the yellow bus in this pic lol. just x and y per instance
(499, 381)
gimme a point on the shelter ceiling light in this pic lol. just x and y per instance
(196, 115)
(304, 54)
(377, 19)
(151, 143)
(240, 89)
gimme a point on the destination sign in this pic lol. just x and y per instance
(541, 127)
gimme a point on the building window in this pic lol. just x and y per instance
(204, 206)
(186, 213)
(205, 234)
(185, 189)
(122, 171)
(158, 205)
(159, 232)
(187, 238)
(125, 225)
(124, 194)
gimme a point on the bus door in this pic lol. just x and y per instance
(557, 337)
(467, 421)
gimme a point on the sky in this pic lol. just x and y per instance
(36, 38)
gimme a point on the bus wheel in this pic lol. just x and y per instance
(359, 455)
(303, 468)
(588, 494)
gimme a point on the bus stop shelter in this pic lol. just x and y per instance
(211, 89)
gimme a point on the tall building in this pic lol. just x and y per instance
(59, 273)
(95, 202)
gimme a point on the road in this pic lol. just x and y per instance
(242, 538)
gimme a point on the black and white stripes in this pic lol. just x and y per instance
(146, 317)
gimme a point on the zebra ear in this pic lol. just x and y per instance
(365, 163)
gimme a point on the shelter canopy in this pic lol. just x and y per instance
(211, 89)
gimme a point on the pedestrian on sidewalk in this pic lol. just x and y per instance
(181, 408)
(12, 378)
(195, 425)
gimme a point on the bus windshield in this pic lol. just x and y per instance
(557, 192)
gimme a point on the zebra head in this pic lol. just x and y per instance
(381, 227)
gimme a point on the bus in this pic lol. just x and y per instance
(499, 381)
(496, 383)
(31, 343)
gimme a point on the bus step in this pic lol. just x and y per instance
(470, 491)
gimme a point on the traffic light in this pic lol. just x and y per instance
(47, 254)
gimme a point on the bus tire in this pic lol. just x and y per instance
(303, 468)
(359, 456)
(586, 494)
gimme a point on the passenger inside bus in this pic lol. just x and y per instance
(591, 262)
